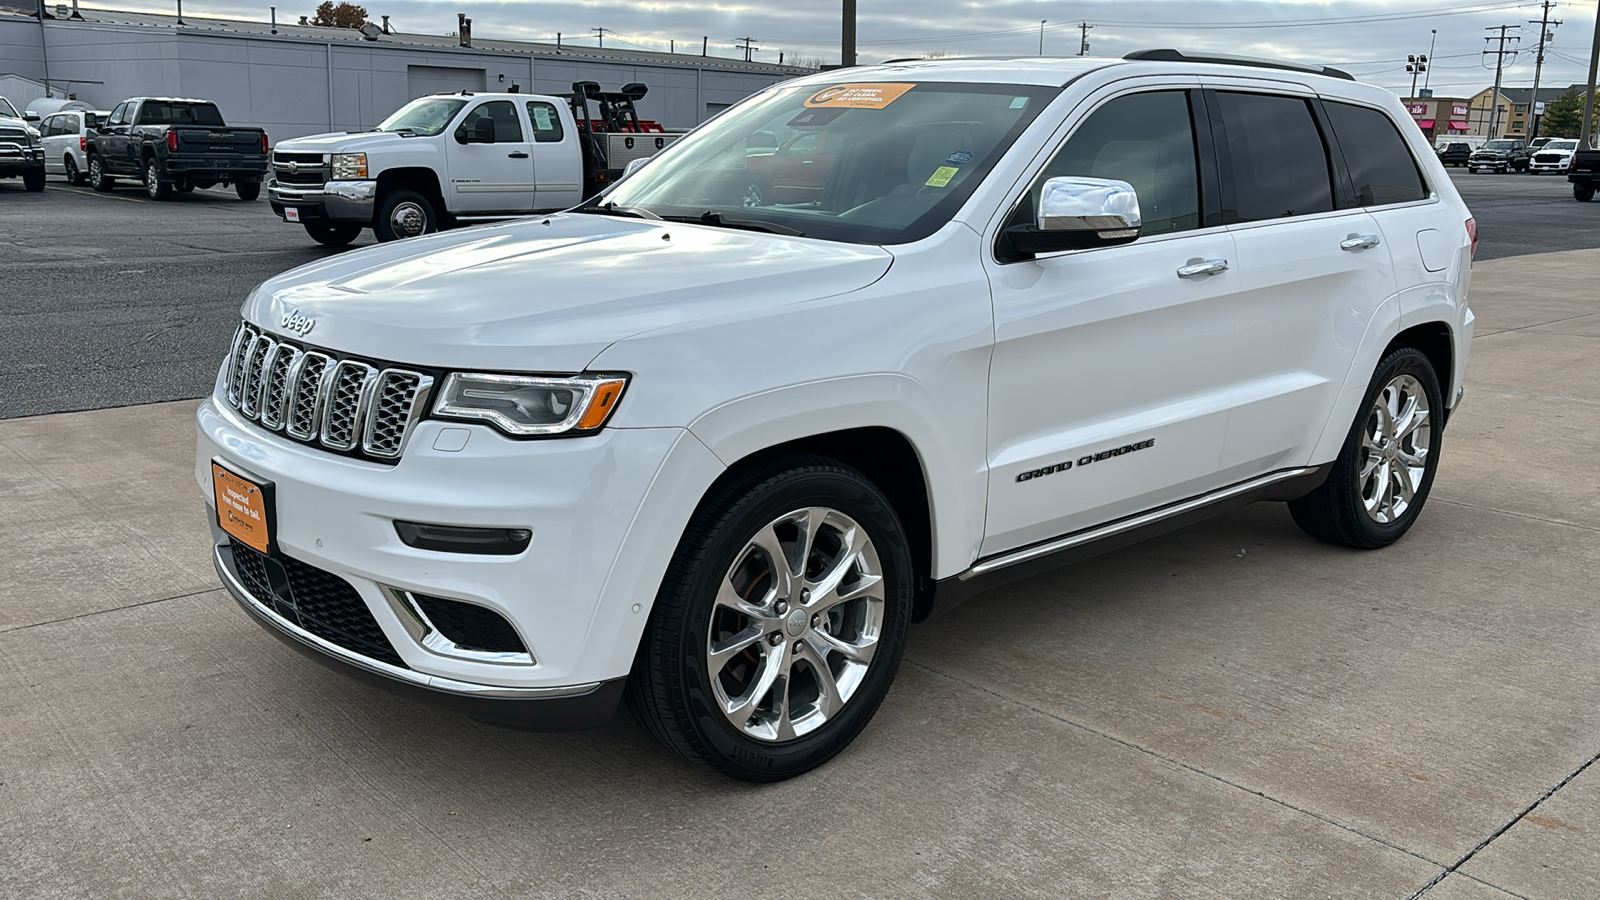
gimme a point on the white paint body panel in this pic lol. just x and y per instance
(738, 341)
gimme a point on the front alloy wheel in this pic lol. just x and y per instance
(779, 624)
(1394, 444)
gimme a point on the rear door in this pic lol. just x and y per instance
(1313, 268)
(496, 177)
(557, 164)
(52, 137)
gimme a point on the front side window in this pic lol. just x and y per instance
(118, 115)
(1382, 170)
(503, 113)
(1274, 163)
(892, 162)
(546, 123)
(425, 117)
(1146, 140)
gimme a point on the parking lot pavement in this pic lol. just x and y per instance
(1229, 711)
(137, 299)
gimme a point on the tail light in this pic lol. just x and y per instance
(172, 141)
(83, 145)
(1472, 232)
(263, 142)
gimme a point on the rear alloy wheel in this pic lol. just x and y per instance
(1382, 476)
(98, 179)
(154, 187)
(780, 623)
(1583, 193)
(403, 214)
(333, 235)
(71, 166)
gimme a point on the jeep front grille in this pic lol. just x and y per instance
(345, 405)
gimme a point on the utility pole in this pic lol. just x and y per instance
(1083, 42)
(602, 33)
(1588, 99)
(746, 46)
(847, 36)
(1545, 36)
(1416, 65)
(1499, 70)
(1041, 35)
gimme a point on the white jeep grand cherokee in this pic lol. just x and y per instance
(716, 439)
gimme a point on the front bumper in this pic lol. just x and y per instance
(16, 159)
(578, 596)
(1537, 166)
(349, 202)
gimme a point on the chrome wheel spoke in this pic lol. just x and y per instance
(722, 652)
(784, 571)
(1395, 449)
(729, 597)
(822, 643)
(773, 667)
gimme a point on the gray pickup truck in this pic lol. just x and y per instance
(176, 145)
(21, 153)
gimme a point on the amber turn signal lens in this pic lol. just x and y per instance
(605, 400)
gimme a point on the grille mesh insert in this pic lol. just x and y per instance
(470, 626)
(324, 604)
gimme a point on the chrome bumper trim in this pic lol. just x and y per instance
(407, 676)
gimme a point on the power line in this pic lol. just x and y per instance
(602, 33)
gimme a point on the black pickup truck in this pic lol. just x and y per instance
(1584, 173)
(180, 145)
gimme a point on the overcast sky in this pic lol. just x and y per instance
(1371, 38)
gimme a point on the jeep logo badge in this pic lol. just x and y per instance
(297, 323)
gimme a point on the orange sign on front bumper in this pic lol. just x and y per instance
(243, 509)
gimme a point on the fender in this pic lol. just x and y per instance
(954, 472)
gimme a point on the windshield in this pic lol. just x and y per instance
(6, 109)
(427, 116)
(875, 163)
(1499, 145)
(1561, 145)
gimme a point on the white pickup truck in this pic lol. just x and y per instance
(456, 158)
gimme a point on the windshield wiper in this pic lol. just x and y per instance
(718, 220)
(612, 209)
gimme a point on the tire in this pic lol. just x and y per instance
(154, 187)
(764, 711)
(1583, 193)
(1352, 508)
(98, 179)
(403, 214)
(333, 235)
(1472, 170)
(33, 180)
(73, 175)
(247, 190)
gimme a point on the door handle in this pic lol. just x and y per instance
(1359, 242)
(517, 155)
(1198, 267)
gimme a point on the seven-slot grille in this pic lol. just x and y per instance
(344, 405)
(1547, 157)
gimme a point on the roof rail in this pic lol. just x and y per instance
(1170, 55)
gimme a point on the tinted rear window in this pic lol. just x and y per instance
(1381, 168)
(1274, 163)
(179, 114)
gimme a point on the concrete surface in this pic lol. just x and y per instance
(137, 299)
(1229, 711)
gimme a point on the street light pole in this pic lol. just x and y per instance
(1588, 99)
(1041, 35)
(1431, 42)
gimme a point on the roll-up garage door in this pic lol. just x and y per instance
(423, 80)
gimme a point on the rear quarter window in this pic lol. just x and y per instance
(1382, 169)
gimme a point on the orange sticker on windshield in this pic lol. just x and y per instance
(857, 96)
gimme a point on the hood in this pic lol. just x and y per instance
(548, 294)
(338, 142)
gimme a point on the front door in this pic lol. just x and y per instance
(1110, 384)
(496, 177)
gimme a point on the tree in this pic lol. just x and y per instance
(1563, 117)
(344, 15)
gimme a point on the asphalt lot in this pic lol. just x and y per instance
(137, 299)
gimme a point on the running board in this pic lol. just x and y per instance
(1286, 484)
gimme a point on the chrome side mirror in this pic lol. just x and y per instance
(1075, 213)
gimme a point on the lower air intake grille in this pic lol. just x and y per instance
(469, 626)
(316, 600)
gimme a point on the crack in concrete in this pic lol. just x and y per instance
(101, 612)
(1503, 829)
(1508, 512)
(1175, 762)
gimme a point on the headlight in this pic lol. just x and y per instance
(527, 405)
(33, 133)
(349, 166)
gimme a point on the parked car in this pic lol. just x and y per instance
(176, 145)
(66, 137)
(1455, 153)
(1554, 156)
(461, 158)
(1537, 143)
(1584, 173)
(1503, 155)
(717, 455)
(21, 154)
